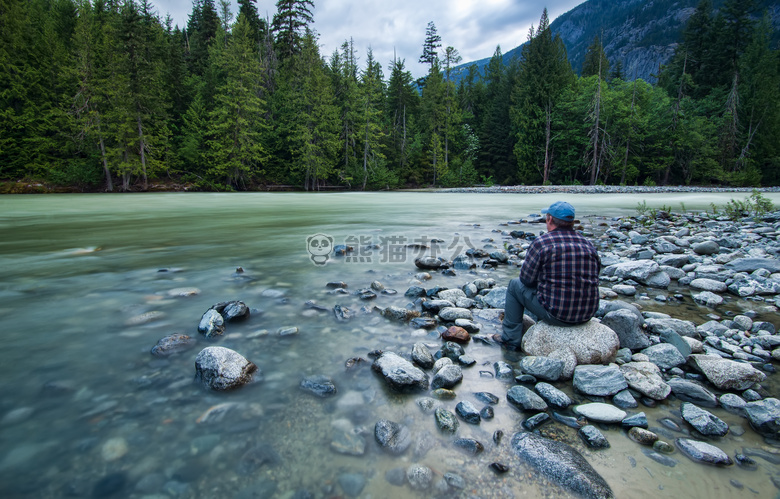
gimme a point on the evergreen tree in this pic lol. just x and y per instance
(596, 61)
(430, 55)
(433, 113)
(372, 96)
(290, 22)
(236, 150)
(495, 133)
(257, 26)
(402, 102)
(310, 119)
(544, 73)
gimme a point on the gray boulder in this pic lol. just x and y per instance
(220, 368)
(708, 285)
(646, 272)
(704, 421)
(600, 412)
(211, 324)
(645, 377)
(422, 356)
(589, 343)
(525, 400)
(681, 327)
(753, 264)
(628, 328)
(727, 374)
(400, 374)
(447, 377)
(703, 452)
(664, 355)
(496, 297)
(561, 464)
(542, 367)
(553, 396)
(706, 248)
(601, 381)
(691, 391)
(764, 416)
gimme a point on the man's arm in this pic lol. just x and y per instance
(529, 272)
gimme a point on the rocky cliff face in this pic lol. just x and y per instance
(642, 34)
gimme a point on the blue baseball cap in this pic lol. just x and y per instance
(561, 210)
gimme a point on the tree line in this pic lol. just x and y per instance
(106, 95)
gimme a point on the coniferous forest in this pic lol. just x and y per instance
(105, 95)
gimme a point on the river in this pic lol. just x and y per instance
(91, 282)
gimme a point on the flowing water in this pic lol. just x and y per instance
(89, 284)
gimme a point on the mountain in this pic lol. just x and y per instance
(642, 34)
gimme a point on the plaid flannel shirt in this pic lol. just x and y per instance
(564, 268)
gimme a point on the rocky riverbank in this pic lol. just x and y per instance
(601, 189)
(627, 359)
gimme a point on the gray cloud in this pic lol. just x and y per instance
(473, 27)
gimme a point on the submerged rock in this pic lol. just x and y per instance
(561, 464)
(319, 385)
(703, 452)
(172, 344)
(393, 437)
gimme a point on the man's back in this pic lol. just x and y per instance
(564, 267)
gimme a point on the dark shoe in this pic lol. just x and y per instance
(499, 340)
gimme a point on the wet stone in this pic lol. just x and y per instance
(467, 412)
(545, 368)
(422, 356)
(393, 437)
(351, 483)
(642, 436)
(486, 397)
(592, 437)
(319, 385)
(600, 412)
(211, 324)
(536, 421)
(625, 400)
(599, 380)
(746, 462)
(663, 447)
(503, 370)
(525, 400)
(447, 377)
(487, 412)
(553, 396)
(691, 391)
(446, 421)
(469, 445)
(419, 477)
(705, 422)
(703, 452)
(659, 458)
(638, 420)
(172, 344)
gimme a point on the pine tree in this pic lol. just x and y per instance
(289, 24)
(544, 73)
(402, 103)
(430, 55)
(372, 96)
(596, 61)
(236, 149)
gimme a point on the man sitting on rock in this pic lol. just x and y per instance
(559, 279)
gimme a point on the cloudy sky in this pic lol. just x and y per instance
(473, 27)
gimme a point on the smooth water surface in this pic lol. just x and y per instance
(89, 284)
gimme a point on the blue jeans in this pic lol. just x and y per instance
(520, 298)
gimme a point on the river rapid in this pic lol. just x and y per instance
(91, 282)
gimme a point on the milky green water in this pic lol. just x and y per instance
(88, 285)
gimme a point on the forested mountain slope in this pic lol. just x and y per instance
(641, 34)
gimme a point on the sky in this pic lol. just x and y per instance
(473, 27)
